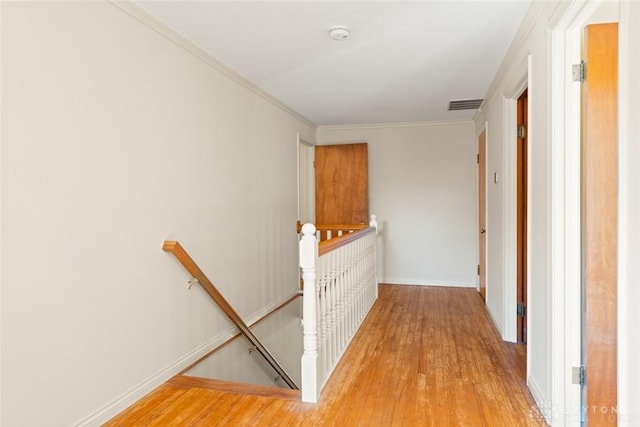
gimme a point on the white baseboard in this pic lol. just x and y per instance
(543, 405)
(499, 326)
(137, 392)
(426, 282)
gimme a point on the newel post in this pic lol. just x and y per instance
(308, 256)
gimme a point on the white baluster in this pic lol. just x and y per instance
(334, 304)
(353, 289)
(341, 283)
(322, 318)
(326, 316)
(347, 295)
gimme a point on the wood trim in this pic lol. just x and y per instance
(521, 215)
(327, 246)
(190, 265)
(333, 227)
(188, 382)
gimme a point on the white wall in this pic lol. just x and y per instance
(629, 208)
(526, 64)
(117, 135)
(423, 189)
(281, 334)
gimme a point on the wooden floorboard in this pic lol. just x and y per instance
(425, 356)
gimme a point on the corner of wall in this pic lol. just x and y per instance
(545, 407)
(496, 320)
(1, 211)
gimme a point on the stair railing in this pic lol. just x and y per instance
(339, 288)
(183, 257)
(330, 231)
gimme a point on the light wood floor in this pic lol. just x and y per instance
(424, 356)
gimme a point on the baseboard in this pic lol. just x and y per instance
(543, 405)
(421, 282)
(499, 326)
(137, 392)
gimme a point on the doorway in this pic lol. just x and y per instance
(482, 214)
(306, 183)
(522, 169)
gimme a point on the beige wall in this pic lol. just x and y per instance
(423, 189)
(116, 136)
(526, 64)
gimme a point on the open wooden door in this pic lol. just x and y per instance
(482, 214)
(521, 223)
(342, 192)
(599, 223)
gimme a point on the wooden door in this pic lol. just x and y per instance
(482, 214)
(521, 185)
(342, 193)
(599, 222)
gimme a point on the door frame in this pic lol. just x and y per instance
(565, 214)
(483, 269)
(305, 180)
(521, 82)
(629, 211)
(522, 214)
(565, 251)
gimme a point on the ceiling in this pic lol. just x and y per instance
(403, 62)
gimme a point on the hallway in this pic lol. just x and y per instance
(423, 356)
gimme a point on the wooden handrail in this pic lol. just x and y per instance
(334, 227)
(330, 245)
(193, 269)
(331, 231)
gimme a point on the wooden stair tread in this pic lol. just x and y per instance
(188, 382)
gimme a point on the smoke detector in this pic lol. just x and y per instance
(339, 32)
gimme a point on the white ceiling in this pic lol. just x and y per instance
(404, 61)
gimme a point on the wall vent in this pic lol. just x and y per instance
(465, 104)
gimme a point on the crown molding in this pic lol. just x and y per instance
(547, 11)
(329, 128)
(145, 18)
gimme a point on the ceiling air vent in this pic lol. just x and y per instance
(465, 104)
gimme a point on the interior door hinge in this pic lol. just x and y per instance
(521, 309)
(579, 72)
(578, 375)
(478, 158)
(522, 132)
(478, 269)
